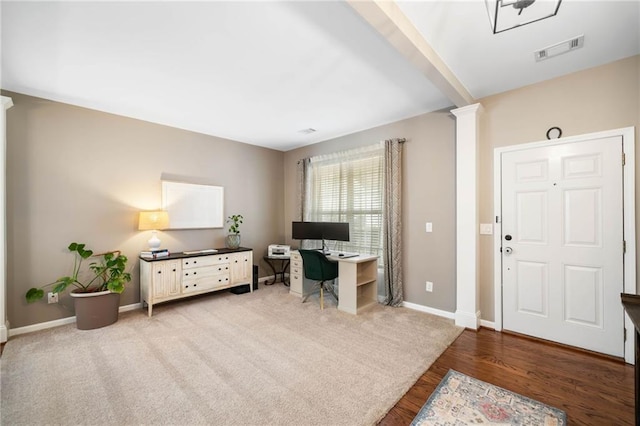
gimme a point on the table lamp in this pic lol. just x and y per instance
(153, 221)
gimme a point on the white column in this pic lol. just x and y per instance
(4, 323)
(467, 304)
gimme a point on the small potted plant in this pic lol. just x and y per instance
(96, 292)
(233, 238)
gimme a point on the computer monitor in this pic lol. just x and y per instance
(337, 231)
(306, 231)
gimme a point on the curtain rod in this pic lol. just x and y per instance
(400, 140)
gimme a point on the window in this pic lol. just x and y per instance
(348, 187)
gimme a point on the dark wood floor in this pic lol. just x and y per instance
(591, 389)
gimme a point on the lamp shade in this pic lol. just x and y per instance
(153, 220)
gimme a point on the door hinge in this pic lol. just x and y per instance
(625, 334)
(624, 159)
(624, 246)
(497, 219)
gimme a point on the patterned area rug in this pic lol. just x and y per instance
(463, 400)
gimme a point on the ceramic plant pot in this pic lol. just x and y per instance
(95, 310)
(233, 241)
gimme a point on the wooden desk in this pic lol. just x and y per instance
(631, 303)
(357, 281)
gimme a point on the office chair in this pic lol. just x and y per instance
(317, 267)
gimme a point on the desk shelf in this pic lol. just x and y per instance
(358, 283)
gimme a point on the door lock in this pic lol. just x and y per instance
(507, 237)
(508, 250)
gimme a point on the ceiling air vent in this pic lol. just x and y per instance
(559, 48)
(307, 131)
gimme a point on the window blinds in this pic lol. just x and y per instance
(348, 187)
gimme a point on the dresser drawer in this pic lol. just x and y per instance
(204, 283)
(196, 262)
(222, 268)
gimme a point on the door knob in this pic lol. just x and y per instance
(508, 250)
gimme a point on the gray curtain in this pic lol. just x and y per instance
(302, 192)
(302, 172)
(393, 222)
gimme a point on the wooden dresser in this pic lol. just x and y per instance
(181, 275)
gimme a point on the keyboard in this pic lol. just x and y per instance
(344, 255)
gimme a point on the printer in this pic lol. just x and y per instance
(276, 250)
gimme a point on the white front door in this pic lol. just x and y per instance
(562, 243)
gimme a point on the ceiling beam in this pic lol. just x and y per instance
(386, 17)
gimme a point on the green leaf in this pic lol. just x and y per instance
(116, 286)
(62, 283)
(34, 294)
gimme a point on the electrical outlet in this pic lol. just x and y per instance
(429, 286)
(52, 297)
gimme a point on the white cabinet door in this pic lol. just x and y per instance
(165, 278)
(241, 268)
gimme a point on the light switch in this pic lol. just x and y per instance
(486, 229)
(429, 227)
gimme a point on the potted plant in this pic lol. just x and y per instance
(96, 291)
(233, 238)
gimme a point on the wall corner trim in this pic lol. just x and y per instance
(6, 104)
(467, 320)
(467, 201)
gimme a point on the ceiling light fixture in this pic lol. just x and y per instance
(508, 14)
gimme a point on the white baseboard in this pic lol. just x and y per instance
(62, 321)
(445, 314)
(4, 332)
(488, 324)
(428, 310)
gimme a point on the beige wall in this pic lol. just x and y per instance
(75, 174)
(602, 98)
(428, 196)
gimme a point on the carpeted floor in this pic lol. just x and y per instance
(250, 359)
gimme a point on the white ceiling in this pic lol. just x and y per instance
(259, 72)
